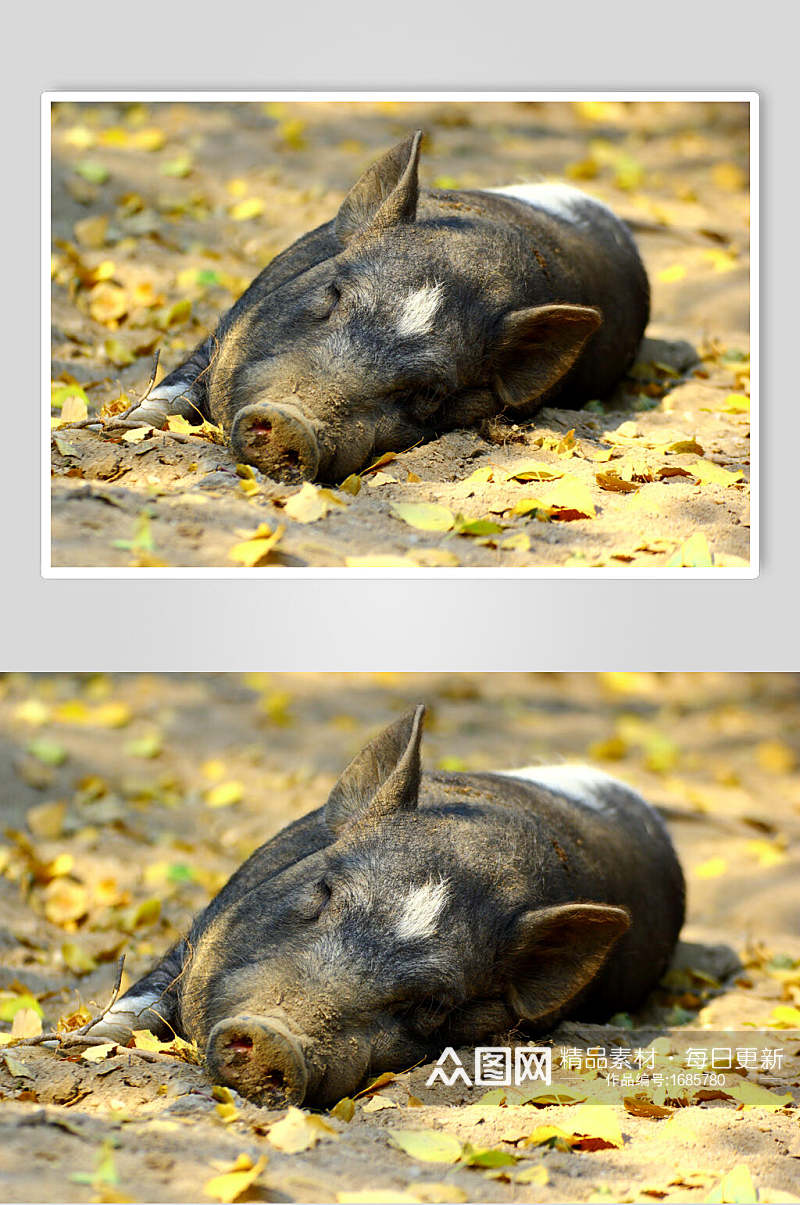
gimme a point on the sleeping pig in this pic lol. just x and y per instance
(414, 912)
(412, 312)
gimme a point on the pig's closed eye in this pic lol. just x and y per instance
(326, 303)
(315, 901)
(425, 1016)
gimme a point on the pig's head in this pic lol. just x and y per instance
(407, 932)
(411, 312)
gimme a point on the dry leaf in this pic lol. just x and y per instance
(641, 1106)
(714, 474)
(257, 549)
(426, 516)
(299, 1131)
(613, 481)
(431, 1146)
(232, 1183)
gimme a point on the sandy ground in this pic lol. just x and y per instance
(113, 839)
(163, 214)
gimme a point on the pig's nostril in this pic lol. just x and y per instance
(275, 1080)
(291, 457)
(240, 1044)
(261, 428)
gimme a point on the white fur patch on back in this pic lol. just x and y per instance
(418, 310)
(561, 200)
(420, 910)
(581, 783)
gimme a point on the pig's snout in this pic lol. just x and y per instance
(277, 440)
(260, 1058)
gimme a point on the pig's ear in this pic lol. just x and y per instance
(385, 195)
(536, 347)
(382, 778)
(553, 953)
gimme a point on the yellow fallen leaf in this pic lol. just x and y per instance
(714, 474)
(538, 1174)
(753, 1096)
(769, 853)
(252, 552)
(136, 434)
(108, 303)
(721, 259)
(520, 541)
(736, 403)
(96, 1054)
(534, 470)
(148, 139)
(711, 869)
(91, 232)
(231, 1184)
(377, 1103)
(344, 1109)
(431, 1146)
(311, 502)
(243, 211)
(351, 484)
(27, 1023)
(74, 409)
(613, 481)
(426, 516)
(32, 712)
(735, 1188)
(46, 819)
(433, 1193)
(694, 553)
(299, 1131)
(681, 445)
(785, 1016)
(729, 176)
(225, 794)
(776, 757)
(550, 1135)
(672, 274)
(435, 558)
(595, 1126)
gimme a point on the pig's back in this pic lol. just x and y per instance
(589, 837)
(586, 256)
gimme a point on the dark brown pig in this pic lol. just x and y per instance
(412, 913)
(412, 312)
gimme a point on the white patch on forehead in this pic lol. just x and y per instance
(561, 200)
(584, 784)
(418, 310)
(420, 910)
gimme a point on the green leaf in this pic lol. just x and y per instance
(92, 171)
(11, 1005)
(487, 1157)
(477, 527)
(180, 166)
(50, 753)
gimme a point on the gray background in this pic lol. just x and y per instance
(348, 623)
